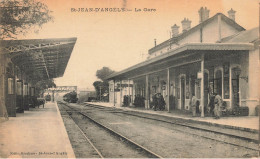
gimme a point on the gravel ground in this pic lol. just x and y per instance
(167, 140)
(81, 147)
(109, 145)
(205, 134)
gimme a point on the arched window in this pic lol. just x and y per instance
(32, 91)
(19, 87)
(226, 82)
(25, 90)
(10, 86)
(182, 95)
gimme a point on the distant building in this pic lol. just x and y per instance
(86, 95)
(215, 56)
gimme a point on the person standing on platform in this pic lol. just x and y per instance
(211, 105)
(218, 104)
(193, 104)
(161, 102)
(155, 102)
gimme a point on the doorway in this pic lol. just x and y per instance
(235, 86)
(218, 82)
(10, 98)
(19, 96)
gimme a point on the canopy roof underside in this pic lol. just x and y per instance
(40, 58)
(178, 54)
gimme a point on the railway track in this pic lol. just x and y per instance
(142, 151)
(244, 138)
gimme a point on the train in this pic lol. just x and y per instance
(70, 97)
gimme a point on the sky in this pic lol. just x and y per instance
(121, 39)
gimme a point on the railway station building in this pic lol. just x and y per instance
(23, 63)
(216, 56)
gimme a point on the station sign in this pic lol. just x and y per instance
(199, 75)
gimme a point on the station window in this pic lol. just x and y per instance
(177, 88)
(25, 89)
(154, 89)
(10, 86)
(218, 83)
(198, 87)
(19, 89)
(226, 87)
(187, 88)
(192, 84)
(226, 80)
(32, 91)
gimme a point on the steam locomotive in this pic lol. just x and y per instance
(70, 97)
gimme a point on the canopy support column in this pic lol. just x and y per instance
(132, 97)
(202, 86)
(147, 105)
(114, 94)
(168, 90)
(129, 100)
(120, 104)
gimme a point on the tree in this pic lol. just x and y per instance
(40, 86)
(103, 73)
(97, 85)
(102, 85)
(20, 16)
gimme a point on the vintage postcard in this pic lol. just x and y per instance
(129, 79)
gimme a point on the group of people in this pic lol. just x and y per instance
(214, 106)
(139, 101)
(158, 102)
(126, 101)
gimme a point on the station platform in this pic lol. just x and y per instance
(37, 133)
(249, 123)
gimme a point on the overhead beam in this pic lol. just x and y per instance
(46, 58)
(21, 48)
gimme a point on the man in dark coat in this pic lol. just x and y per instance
(211, 104)
(155, 102)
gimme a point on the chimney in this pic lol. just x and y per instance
(185, 24)
(204, 14)
(231, 14)
(175, 30)
(154, 42)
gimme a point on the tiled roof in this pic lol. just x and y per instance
(241, 41)
(195, 28)
(247, 36)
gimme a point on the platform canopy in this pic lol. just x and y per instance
(176, 57)
(39, 58)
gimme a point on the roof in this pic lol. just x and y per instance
(195, 28)
(233, 44)
(40, 58)
(185, 47)
(247, 36)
